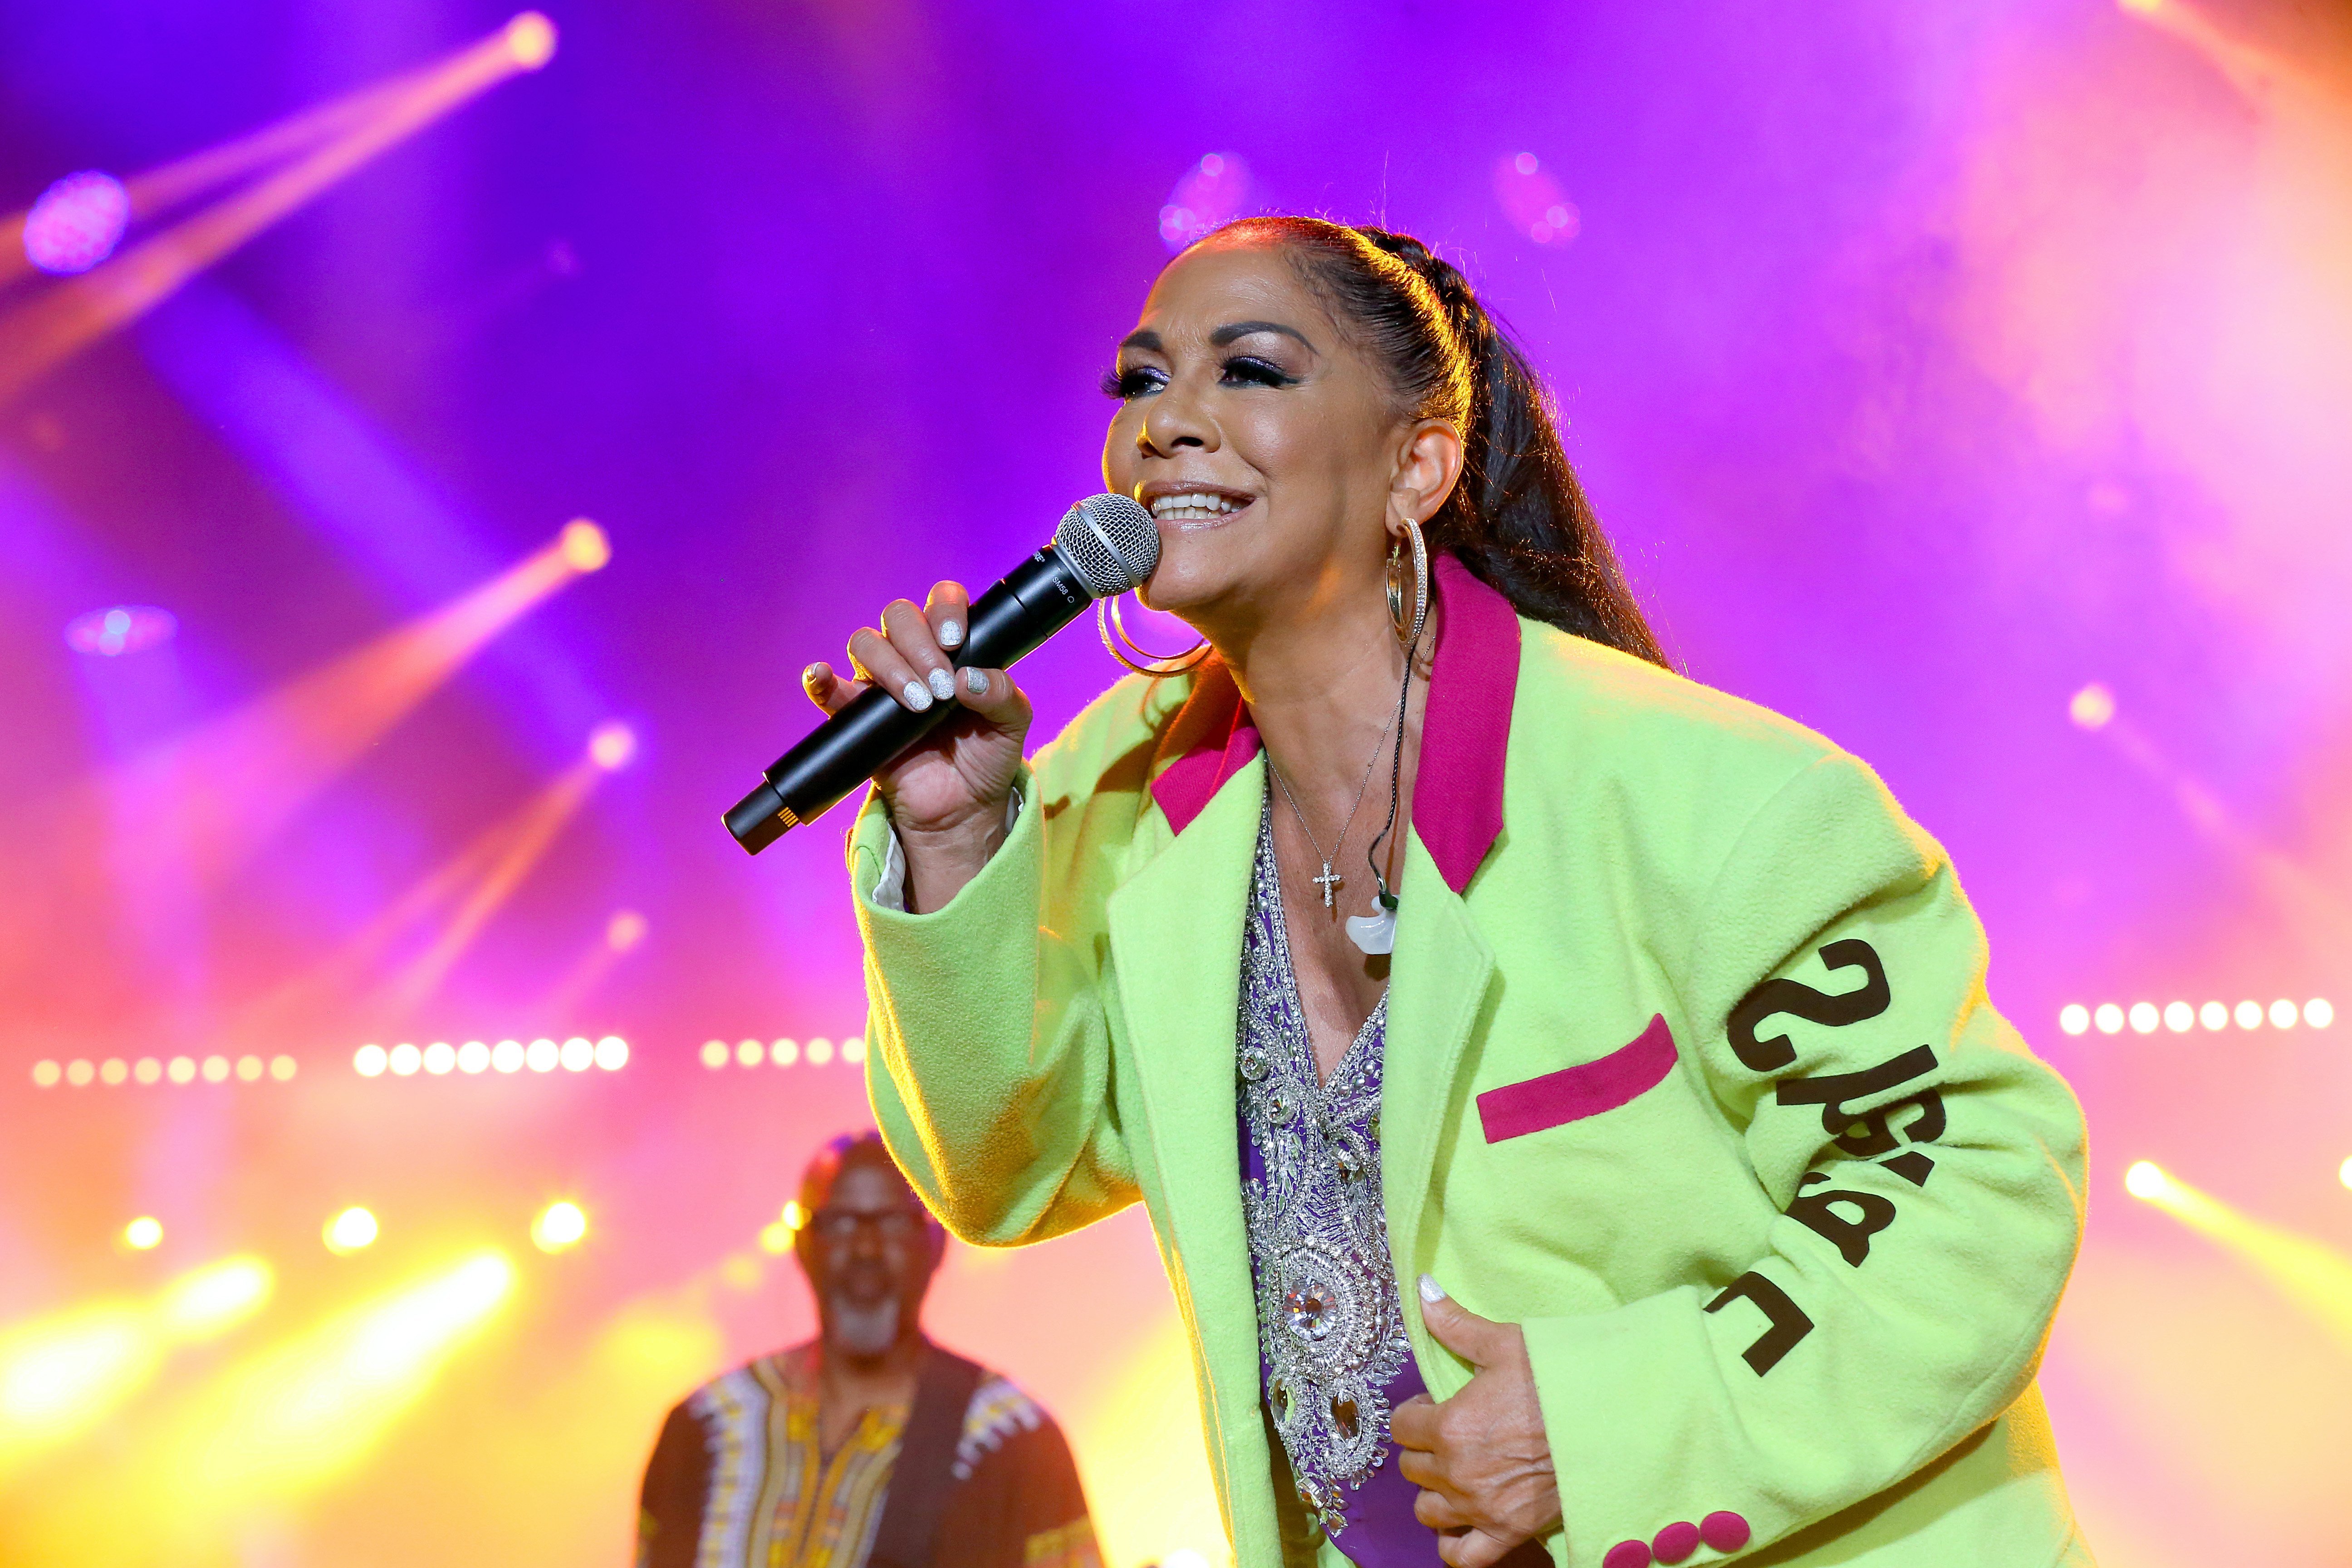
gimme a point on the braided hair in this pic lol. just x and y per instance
(1517, 518)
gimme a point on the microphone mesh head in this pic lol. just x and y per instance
(1111, 543)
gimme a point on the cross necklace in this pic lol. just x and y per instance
(1330, 882)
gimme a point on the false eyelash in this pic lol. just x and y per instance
(1125, 384)
(1264, 371)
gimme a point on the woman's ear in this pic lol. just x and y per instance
(1428, 466)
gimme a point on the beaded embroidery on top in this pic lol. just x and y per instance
(1330, 1323)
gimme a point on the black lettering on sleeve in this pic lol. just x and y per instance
(1856, 1134)
(1911, 1165)
(1789, 1321)
(1817, 1213)
(1801, 1001)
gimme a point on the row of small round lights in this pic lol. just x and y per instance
(716, 1053)
(115, 1071)
(2147, 1018)
(558, 1228)
(440, 1058)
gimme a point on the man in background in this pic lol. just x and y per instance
(869, 1447)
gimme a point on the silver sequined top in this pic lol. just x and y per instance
(1330, 1328)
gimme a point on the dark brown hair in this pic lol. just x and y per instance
(1517, 518)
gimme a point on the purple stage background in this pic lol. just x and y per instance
(1931, 364)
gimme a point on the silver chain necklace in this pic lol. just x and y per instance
(1332, 881)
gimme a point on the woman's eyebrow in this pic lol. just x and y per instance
(1227, 334)
(1145, 338)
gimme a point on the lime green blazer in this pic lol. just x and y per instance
(1690, 1072)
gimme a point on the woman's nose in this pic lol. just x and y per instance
(1176, 420)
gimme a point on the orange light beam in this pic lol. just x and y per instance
(52, 327)
(213, 795)
(554, 805)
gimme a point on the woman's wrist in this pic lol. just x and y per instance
(941, 858)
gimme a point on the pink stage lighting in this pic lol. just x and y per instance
(1214, 191)
(120, 629)
(76, 222)
(1534, 202)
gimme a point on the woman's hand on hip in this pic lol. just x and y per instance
(1481, 1458)
(948, 794)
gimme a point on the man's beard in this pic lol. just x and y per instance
(864, 1330)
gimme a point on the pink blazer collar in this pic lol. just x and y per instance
(1466, 732)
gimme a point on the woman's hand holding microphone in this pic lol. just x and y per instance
(948, 794)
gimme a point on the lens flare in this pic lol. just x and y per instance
(2315, 1276)
(144, 1234)
(214, 1299)
(559, 1227)
(350, 1230)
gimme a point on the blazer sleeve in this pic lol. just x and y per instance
(1927, 1170)
(989, 1056)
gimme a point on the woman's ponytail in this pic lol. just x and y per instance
(1517, 520)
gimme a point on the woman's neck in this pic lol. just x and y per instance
(1322, 694)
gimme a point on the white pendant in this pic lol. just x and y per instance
(1375, 932)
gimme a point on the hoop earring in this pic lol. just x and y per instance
(1407, 630)
(1114, 634)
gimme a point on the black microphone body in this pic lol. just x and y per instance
(1036, 599)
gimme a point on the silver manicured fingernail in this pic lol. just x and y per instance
(942, 685)
(1430, 1291)
(918, 696)
(951, 634)
(975, 682)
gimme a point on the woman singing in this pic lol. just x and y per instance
(1566, 1095)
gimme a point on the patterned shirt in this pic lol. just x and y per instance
(739, 1478)
(1330, 1323)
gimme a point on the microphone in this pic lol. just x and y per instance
(1105, 546)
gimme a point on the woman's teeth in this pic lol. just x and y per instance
(1194, 508)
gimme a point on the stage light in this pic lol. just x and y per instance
(2108, 1018)
(583, 546)
(507, 1055)
(2313, 1276)
(2319, 1013)
(542, 1055)
(45, 1073)
(249, 1069)
(776, 1238)
(818, 1052)
(2213, 1015)
(183, 1069)
(2074, 1017)
(2344, 1172)
(143, 1234)
(852, 1050)
(531, 39)
(559, 1226)
(112, 1071)
(2093, 708)
(440, 1058)
(76, 222)
(626, 930)
(147, 1070)
(2179, 1018)
(1533, 202)
(714, 1056)
(350, 1230)
(611, 745)
(2250, 1015)
(749, 1053)
(215, 1070)
(579, 1053)
(2146, 1180)
(214, 1299)
(611, 1053)
(58, 1377)
(282, 1068)
(125, 628)
(784, 1053)
(78, 1073)
(473, 1057)
(1184, 1557)
(2284, 1014)
(404, 1059)
(1213, 191)
(2143, 1017)
(369, 1061)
